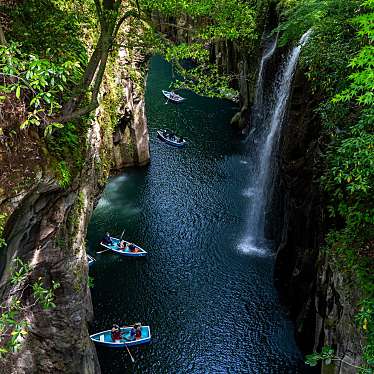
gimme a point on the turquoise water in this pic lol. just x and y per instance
(212, 307)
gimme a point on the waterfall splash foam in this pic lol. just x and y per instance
(267, 117)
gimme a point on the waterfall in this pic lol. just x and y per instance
(269, 116)
(257, 110)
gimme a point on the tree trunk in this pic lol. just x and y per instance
(2, 36)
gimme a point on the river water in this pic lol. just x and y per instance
(212, 306)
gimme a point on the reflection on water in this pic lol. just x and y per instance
(211, 308)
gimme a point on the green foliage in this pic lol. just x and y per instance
(45, 296)
(20, 272)
(76, 211)
(361, 87)
(39, 81)
(13, 326)
(52, 29)
(42, 65)
(63, 174)
(3, 218)
(207, 22)
(67, 145)
(339, 61)
(365, 319)
(90, 282)
(326, 355)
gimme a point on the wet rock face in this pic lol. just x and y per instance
(130, 137)
(336, 300)
(321, 299)
(296, 262)
(47, 229)
(302, 221)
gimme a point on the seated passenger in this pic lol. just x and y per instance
(107, 239)
(122, 245)
(133, 333)
(132, 247)
(116, 333)
(138, 332)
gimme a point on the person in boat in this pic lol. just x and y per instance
(138, 330)
(180, 140)
(132, 247)
(107, 239)
(116, 333)
(133, 333)
(122, 245)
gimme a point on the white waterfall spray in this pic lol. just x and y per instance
(263, 167)
(257, 110)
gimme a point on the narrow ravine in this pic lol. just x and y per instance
(211, 307)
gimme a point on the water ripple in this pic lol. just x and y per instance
(209, 300)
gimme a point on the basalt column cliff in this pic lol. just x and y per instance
(45, 205)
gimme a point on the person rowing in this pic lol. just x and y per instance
(116, 333)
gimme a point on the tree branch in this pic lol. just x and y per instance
(130, 13)
(86, 81)
(347, 363)
(76, 114)
(99, 12)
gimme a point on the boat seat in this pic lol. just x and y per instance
(102, 338)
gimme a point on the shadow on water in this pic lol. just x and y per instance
(212, 308)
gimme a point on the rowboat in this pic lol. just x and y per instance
(114, 247)
(170, 138)
(104, 338)
(90, 260)
(173, 96)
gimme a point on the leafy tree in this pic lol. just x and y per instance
(46, 80)
(339, 61)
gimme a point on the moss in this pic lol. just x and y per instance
(3, 219)
(109, 117)
(75, 213)
(78, 279)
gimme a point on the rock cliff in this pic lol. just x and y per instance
(46, 224)
(317, 292)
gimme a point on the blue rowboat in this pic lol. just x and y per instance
(90, 260)
(105, 338)
(114, 247)
(170, 138)
(173, 96)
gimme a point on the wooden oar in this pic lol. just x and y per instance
(121, 235)
(105, 250)
(128, 351)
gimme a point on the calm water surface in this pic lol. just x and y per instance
(211, 307)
